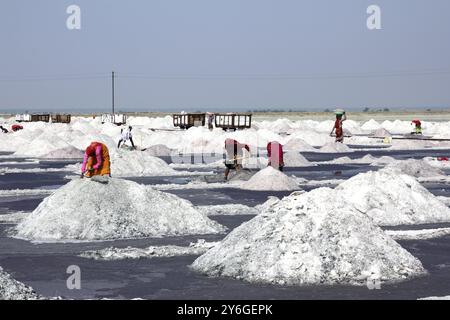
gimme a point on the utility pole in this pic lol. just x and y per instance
(113, 96)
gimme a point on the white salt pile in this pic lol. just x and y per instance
(11, 289)
(392, 198)
(159, 150)
(270, 179)
(194, 249)
(85, 209)
(434, 162)
(136, 163)
(309, 239)
(335, 147)
(295, 159)
(64, 153)
(297, 144)
(237, 209)
(381, 133)
(371, 125)
(415, 168)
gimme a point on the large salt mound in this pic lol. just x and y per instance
(137, 163)
(270, 179)
(65, 153)
(309, 239)
(295, 159)
(335, 147)
(11, 289)
(415, 168)
(392, 198)
(85, 209)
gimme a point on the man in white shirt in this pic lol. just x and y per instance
(125, 136)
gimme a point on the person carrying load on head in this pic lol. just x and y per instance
(275, 155)
(418, 127)
(338, 125)
(96, 161)
(234, 154)
(125, 136)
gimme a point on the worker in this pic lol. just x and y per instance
(418, 127)
(16, 127)
(275, 155)
(234, 154)
(211, 117)
(125, 136)
(96, 161)
(338, 125)
(3, 129)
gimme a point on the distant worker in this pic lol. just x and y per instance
(16, 127)
(338, 125)
(234, 154)
(418, 127)
(210, 120)
(3, 129)
(125, 136)
(275, 154)
(96, 161)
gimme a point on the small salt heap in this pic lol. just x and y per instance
(270, 179)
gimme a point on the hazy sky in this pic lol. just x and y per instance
(224, 54)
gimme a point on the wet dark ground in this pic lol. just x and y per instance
(43, 266)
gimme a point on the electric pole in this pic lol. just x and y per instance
(113, 87)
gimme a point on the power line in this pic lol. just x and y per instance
(143, 76)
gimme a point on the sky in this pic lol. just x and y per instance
(173, 55)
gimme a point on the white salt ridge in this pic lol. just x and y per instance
(30, 170)
(309, 239)
(11, 289)
(136, 163)
(434, 162)
(108, 254)
(335, 147)
(14, 217)
(236, 209)
(159, 150)
(85, 209)
(64, 153)
(227, 210)
(367, 159)
(270, 179)
(381, 133)
(25, 192)
(295, 159)
(418, 234)
(415, 168)
(436, 298)
(391, 198)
